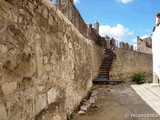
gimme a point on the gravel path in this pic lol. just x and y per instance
(118, 102)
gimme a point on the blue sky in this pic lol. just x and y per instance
(121, 19)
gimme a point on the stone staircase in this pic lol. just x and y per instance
(106, 64)
(103, 76)
(101, 41)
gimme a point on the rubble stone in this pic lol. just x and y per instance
(8, 87)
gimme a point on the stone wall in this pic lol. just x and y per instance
(127, 63)
(96, 62)
(70, 11)
(46, 65)
(144, 45)
(68, 8)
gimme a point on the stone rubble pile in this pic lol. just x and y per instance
(87, 103)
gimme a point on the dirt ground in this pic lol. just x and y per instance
(118, 102)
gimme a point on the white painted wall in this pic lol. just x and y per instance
(156, 52)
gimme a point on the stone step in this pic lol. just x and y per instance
(107, 57)
(102, 76)
(105, 72)
(102, 80)
(105, 64)
(108, 54)
(102, 70)
(99, 80)
(103, 67)
(107, 61)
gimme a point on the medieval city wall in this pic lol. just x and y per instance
(46, 65)
(144, 45)
(127, 62)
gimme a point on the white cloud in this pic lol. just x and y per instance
(134, 40)
(135, 46)
(119, 32)
(147, 30)
(134, 43)
(76, 1)
(125, 1)
(144, 36)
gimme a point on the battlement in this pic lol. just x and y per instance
(144, 45)
(70, 11)
(114, 44)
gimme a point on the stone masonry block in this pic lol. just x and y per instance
(2, 112)
(8, 88)
(52, 95)
(3, 25)
(41, 102)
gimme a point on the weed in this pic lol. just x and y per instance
(139, 78)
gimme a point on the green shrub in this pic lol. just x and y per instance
(139, 78)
